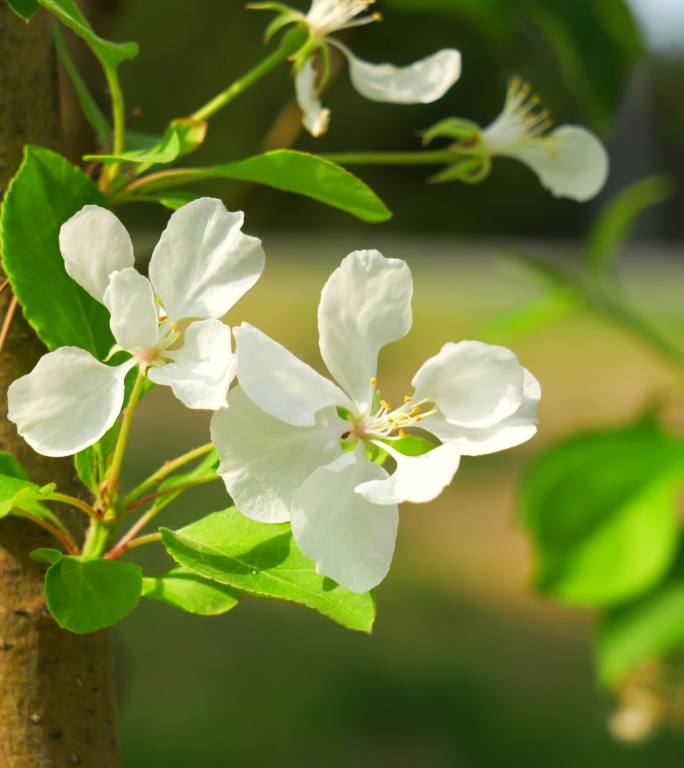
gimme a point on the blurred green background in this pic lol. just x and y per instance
(466, 668)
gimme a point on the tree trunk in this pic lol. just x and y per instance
(57, 705)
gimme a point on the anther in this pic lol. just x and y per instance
(373, 381)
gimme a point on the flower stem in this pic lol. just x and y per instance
(165, 470)
(61, 534)
(193, 483)
(72, 501)
(425, 157)
(148, 538)
(124, 542)
(119, 122)
(290, 44)
(114, 471)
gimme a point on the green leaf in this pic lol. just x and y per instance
(87, 594)
(46, 555)
(601, 508)
(89, 106)
(619, 216)
(645, 629)
(11, 467)
(109, 54)
(263, 560)
(24, 8)
(292, 171)
(17, 493)
(58, 309)
(412, 445)
(191, 593)
(180, 138)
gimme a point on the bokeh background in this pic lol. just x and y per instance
(466, 667)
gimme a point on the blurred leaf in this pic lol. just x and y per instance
(89, 106)
(639, 631)
(290, 171)
(190, 592)
(24, 8)
(11, 466)
(173, 199)
(180, 138)
(87, 594)
(263, 559)
(619, 216)
(109, 54)
(601, 508)
(58, 309)
(413, 445)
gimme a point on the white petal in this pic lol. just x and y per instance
(314, 117)
(417, 479)
(203, 263)
(570, 162)
(202, 369)
(509, 432)
(94, 243)
(422, 82)
(264, 461)
(350, 539)
(280, 383)
(134, 318)
(473, 384)
(67, 402)
(365, 304)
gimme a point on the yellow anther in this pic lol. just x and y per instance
(373, 381)
(407, 398)
(415, 410)
(386, 405)
(419, 418)
(402, 434)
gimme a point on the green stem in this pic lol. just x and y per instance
(114, 471)
(119, 120)
(164, 471)
(193, 483)
(290, 44)
(122, 545)
(72, 501)
(149, 538)
(61, 534)
(426, 157)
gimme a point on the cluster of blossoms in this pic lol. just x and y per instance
(294, 446)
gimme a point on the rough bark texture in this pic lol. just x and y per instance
(57, 704)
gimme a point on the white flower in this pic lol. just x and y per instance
(169, 323)
(422, 82)
(295, 446)
(569, 161)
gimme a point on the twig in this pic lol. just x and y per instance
(7, 322)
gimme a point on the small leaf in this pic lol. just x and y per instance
(264, 560)
(109, 54)
(46, 555)
(190, 592)
(619, 216)
(642, 630)
(89, 106)
(87, 594)
(11, 467)
(58, 309)
(180, 138)
(24, 8)
(291, 171)
(16, 493)
(602, 512)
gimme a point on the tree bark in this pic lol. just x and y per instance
(57, 704)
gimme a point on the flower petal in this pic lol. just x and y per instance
(314, 117)
(473, 384)
(417, 479)
(508, 433)
(202, 369)
(94, 243)
(203, 263)
(351, 540)
(67, 402)
(422, 82)
(264, 460)
(134, 319)
(365, 304)
(570, 162)
(280, 383)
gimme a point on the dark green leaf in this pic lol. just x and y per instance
(601, 509)
(642, 630)
(59, 310)
(291, 171)
(46, 555)
(110, 54)
(264, 560)
(89, 106)
(24, 8)
(87, 594)
(11, 467)
(619, 216)
(190, 592)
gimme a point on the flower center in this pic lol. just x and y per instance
(522, 121)
(326, 16)
(154, 356)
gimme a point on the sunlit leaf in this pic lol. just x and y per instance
(190, 592)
